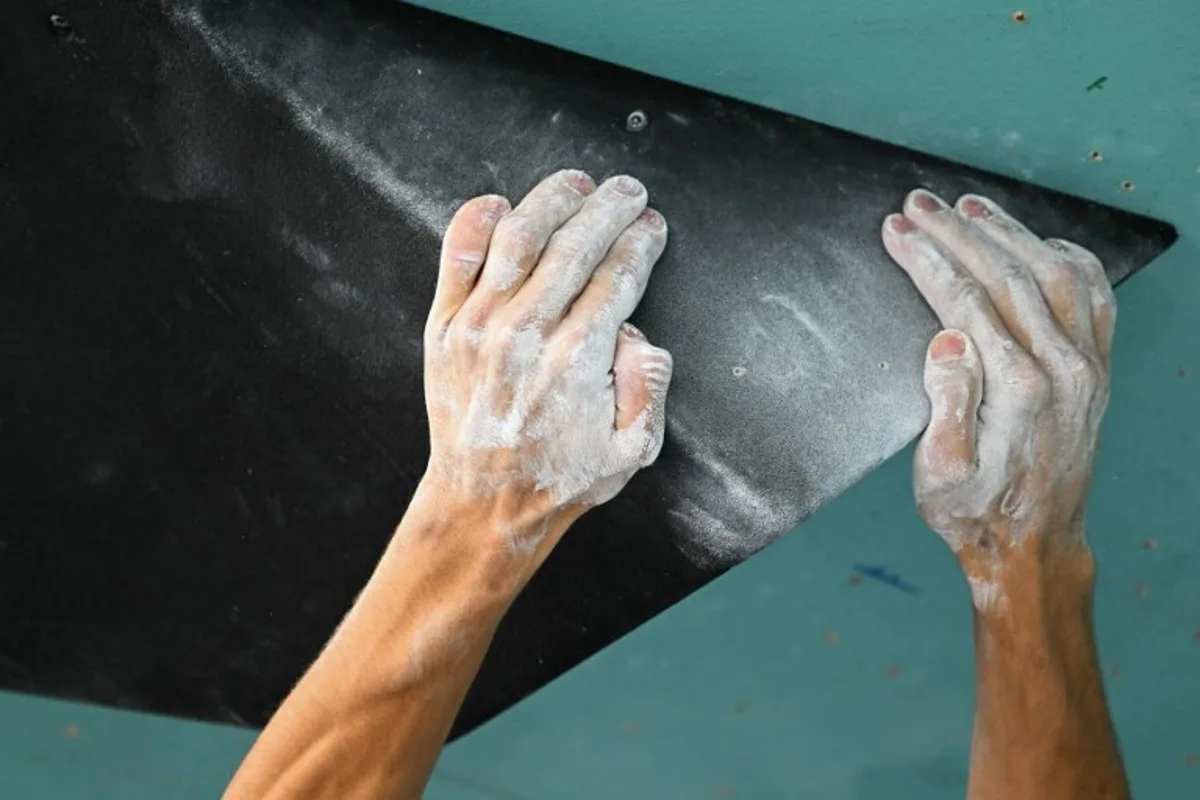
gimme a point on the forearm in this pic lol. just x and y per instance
(1042, 728)
(370, 716)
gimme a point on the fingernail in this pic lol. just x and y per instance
(496, 208)
(632, 332)
(630, 187)
(1059, 245)
(947, 345)
(972, 207)
(927, 201)
(900, 223)
(653, 219)
(579, 181)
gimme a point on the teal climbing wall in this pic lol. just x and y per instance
(786, 678)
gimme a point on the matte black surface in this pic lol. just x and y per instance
(218, 234)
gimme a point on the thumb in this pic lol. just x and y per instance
(954, 383)
(642, 376)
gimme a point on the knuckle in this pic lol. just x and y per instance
(465, 331)
(1061, 272)
(570, 249)
(573, 337)
(521, 319)
(465, 263)
(1081, 253)
(1013, 272)
(434, 334)
(628, 268)
(1030, 385)
(518, 236)
(967, 294)
(1078, 375)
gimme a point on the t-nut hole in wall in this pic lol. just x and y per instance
(59, 25)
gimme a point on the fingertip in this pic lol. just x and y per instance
(952, 350)
(495, 207)
(578, 180)
(479, 212)
(953, 370)
(947, 345)
(973, 206)
(631, 331)
(923, 201)
(626, 185)
(653, 220)
(898, 224)
(464, 250)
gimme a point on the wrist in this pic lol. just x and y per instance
(1034, 596)
(489, 546)
(1028, 568)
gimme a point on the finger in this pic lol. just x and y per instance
(954, 382)
(642, 376)
(617, 285)
(958, 300)
(1060, 280)
(578, 247)
(521, 236)
(1103, 301)
(1008, 280)
(464, 248)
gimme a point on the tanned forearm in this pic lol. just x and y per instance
(1017, 386)
(1042, 728)
(370, 716)
(542, 404)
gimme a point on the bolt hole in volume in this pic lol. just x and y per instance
(637, 121)
(59, 25)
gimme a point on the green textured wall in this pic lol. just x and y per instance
(784, 679)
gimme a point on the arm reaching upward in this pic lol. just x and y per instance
(543, 402)
(1018, 385)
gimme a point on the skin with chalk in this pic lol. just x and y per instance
(543, 402)
(1017, 385)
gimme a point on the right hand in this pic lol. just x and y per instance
(1018, 382)
(543, 401)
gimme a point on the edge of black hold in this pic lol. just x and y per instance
(608, 69)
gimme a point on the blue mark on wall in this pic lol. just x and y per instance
(881, 574)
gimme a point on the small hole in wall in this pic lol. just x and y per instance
(1020, 16)
(1127, 186)
(1096, 155)
(59, 25)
